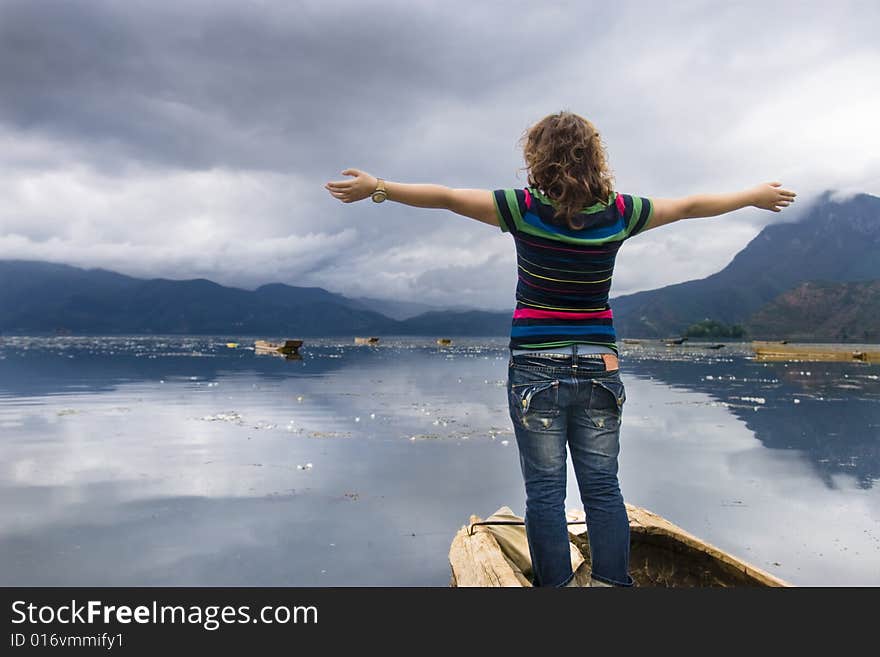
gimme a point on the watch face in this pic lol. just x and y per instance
(378, 197)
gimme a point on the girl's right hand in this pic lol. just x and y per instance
(359, 187)
(770, 196)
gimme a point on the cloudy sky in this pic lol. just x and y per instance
(192, 138)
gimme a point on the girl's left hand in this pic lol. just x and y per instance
(356, 189)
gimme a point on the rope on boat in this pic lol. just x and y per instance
(513, 522)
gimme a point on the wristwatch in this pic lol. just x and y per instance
(380, 194)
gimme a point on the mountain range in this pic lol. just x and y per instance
(817, 278)
(834, 242)
(42, 297)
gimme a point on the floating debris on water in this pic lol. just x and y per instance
(231, 416)
(424, 436)
(329, 434)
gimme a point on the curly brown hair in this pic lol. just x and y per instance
(567, 162)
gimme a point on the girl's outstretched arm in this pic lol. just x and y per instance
(474, 203)
(767, 196)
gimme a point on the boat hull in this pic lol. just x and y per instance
(286, 347)
(661, 554)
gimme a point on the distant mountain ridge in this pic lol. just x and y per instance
(41, 297)
(400, 309)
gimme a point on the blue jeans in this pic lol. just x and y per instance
(570, 400)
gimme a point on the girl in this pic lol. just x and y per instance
(564, 385)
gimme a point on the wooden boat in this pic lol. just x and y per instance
(366, 341)
(444, 342)
(285, 348)
(766, 350)
(674, 341)
(495, 553)
(631, 341)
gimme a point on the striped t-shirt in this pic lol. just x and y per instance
(564, 274)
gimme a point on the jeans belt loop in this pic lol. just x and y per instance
(574, 357)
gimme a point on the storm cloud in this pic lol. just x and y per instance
(193, 138)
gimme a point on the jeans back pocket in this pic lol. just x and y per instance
(606, 402)
(534, 404)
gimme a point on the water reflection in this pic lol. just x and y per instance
(163, 461)
(829, 412)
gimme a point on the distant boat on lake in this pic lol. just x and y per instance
(372, 341)
(444, 342)
(285, 348)
(767, 350)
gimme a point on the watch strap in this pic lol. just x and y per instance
(380, 193)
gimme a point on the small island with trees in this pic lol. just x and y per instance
(710, 328)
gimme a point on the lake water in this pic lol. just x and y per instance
(180, 461)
